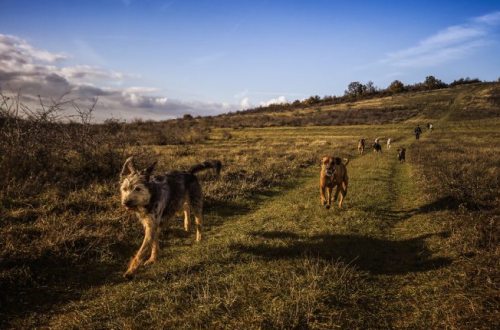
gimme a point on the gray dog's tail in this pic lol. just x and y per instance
(215, 164)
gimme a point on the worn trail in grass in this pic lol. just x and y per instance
(282, 260)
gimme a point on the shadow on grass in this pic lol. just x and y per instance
(377, 256)
(447, 203)
(38, 285)
(217, 211)
(442, 204)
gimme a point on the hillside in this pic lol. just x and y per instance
(416, 245)
(473, 101)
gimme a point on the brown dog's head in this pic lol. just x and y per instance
(134, 187)
(328, 165)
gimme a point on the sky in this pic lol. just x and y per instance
(163, 59)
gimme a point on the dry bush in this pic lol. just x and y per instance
(55, 189)
(44, 147)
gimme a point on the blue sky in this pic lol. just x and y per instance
(159, 59)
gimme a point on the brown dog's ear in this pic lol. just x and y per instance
(324, 159)
(149, 170)
(128, 167)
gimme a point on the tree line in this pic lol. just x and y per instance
(358, 91)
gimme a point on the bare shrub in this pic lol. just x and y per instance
(44, 146)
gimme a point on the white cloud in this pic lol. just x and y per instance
(19, 49)
(245, 103)
(278, 100)
(81, 73)
(491, 18)
(33, 72)
(451, 43)
(141, 90)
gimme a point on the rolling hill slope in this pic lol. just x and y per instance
(473, 101)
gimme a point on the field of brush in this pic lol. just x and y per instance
(416, 245)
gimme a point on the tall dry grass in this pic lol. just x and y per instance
(462, 173)
(62, 226)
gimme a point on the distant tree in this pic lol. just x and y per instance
(432, 82)
(355, 89)
(396, 87)
(187, 116)
(328, 98)
(313, 99)
(370, 88)
(465, 81)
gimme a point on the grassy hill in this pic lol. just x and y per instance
(473, 101)
(416, 245)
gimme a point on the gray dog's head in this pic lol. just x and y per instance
(134, 185)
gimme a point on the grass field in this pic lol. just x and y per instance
(416, 245)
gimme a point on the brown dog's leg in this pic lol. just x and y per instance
(330, 193)
(337, 193)
(322, 195)
(150, 228)
(343, 191)
(155, 250)
(342, 195)
(187, 217)
(198, 218)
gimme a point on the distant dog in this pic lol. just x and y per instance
(361, 146)
(156, 200)
(377, 147)
(333, 173)
(389, 143)
(402, 155)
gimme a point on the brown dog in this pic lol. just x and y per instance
(361, 146)
(333, 173)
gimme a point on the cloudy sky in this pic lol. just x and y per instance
(161, 59)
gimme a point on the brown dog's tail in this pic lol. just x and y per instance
(215, 164)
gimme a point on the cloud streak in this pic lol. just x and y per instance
(453, 42)
(30, 72)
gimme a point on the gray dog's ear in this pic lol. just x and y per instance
(128, 167)
(149, 170)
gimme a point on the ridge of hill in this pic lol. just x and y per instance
(472, 101)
